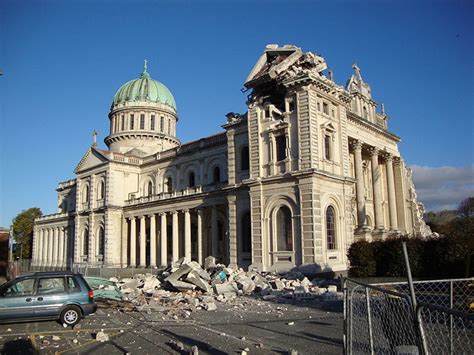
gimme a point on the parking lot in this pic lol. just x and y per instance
(244, 324)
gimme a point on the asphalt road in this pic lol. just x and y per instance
(260, 327)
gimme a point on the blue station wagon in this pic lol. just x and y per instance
(46, 295)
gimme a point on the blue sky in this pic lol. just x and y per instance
(64, 60)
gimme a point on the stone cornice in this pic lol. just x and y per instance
(352, 117)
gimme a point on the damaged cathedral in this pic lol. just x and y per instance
(310, 168)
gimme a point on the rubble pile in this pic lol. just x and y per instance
(187, 286)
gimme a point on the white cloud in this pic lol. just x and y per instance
(444, 187)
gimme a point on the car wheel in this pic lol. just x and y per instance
(70, 315)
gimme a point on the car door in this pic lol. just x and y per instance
(17, 300)
(50, 296)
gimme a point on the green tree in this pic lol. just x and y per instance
(466, 207)
(23, 231)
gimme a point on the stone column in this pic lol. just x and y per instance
(56, 247)
(61, 247)
(152, 240)
(50, 247)
(66, 246)
(232, 242)
(175, 255)
(392, 203)
(199, 236)
(142, 241)
(164, 241)
(124, 252)
(214, 232)
(377, 185)
(187, 235)
(360, 190)
(133, 242)
(39, 248)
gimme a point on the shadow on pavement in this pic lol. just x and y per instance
(19, 347)
(191, 342)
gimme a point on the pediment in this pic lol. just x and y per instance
(92, 158)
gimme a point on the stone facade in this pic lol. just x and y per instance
(308, 169)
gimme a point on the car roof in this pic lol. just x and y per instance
(49, 273)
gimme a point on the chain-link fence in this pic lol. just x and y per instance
(381, 319)
(453, 294)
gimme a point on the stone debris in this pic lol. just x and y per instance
(185, 287)
(101, 336)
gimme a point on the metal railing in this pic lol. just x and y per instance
(381, 319)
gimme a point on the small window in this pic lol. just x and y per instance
(101, 191)
(169, 126)
(132, 121)
(149, 189)
(267, 112)
(85, 242)
(169, 185)
(20, 288)
(162, 124)
(122, 125)
(73, 285)
(216, 174)
(152, 122)
(101, 241)
(142, 121)
(192, 179)
(330, 228)
(51, 285)
(246, 233)
(291, 106)
(319, 107)
(365, 113)
(284, 229)
(327, 147)
(332, 113)
(281, 147)
(86, 194)
(325, 108)
(244, 159)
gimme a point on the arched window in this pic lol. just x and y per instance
(216, 174)
(101, 249)
(191, 179)
(244, 159)
(284, 229)
(365, 112)
(85, 196)
(246, 233)
(85, 242)
(101, 190)
(280, 147)
(331, 228)
(149, 189)
(169, 184)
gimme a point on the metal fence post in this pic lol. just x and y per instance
(344, 312)
(451, 303)
(417, 318)
(369, 320)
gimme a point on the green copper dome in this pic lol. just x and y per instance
(144, 89)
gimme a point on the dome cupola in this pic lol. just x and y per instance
(144, 89)
(142, 117)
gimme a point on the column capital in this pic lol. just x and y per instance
(199, 211)
(162, 214)
(357, 144)
(185, 210)
(151, 215)
(388, 157)
(374, 151)
(174, 212)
